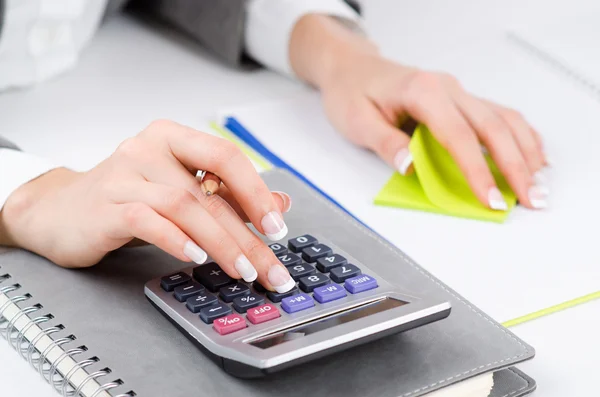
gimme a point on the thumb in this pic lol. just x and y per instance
(390, 144)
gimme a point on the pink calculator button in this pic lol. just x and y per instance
(263, 313)
(228, 324)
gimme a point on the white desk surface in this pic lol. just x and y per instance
(131, 75)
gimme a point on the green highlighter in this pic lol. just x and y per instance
(438, 185)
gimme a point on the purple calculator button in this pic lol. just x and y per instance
(297, 302)
(329, 292)
(360, 283)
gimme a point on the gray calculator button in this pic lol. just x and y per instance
(278, 249)
(344, 272)
(195, 303)
(183, 292)
(309, 283)
(230, 292)
(289, 259)
(211, 313)
(326, 263)
(300, 270)
(242, 303)
(298, 243)
(311, 254)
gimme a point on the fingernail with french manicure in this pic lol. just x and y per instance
(280, 279)
(496, 200)
(537, 197)
(245, 269)
(195, 253)
(274, 226)
(287, 200)
(403, 160)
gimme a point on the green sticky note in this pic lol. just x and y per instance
(438, 184)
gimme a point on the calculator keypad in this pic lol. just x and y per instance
(322, 276)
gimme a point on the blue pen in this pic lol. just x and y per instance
(246, 136)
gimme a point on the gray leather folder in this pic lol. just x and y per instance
(105, 308)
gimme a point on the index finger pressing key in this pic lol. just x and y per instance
(225, 160)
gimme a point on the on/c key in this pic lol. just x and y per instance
(228, 324)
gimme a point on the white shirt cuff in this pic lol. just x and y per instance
(269, 26)
(18, 168)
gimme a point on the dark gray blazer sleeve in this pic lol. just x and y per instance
(216, 24)
(4, 143)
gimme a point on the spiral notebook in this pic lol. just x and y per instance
(568, 45)
(97, 335)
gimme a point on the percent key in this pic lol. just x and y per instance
(242, 303)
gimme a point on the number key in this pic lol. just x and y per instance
(298, 243)
(277, 297)
(327, 263)
(301, 270)
(311, 254)
(309, 283)
(289, 259)
(344, 272)
(278, 249)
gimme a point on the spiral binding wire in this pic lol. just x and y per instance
(557, 64)
(27, 349)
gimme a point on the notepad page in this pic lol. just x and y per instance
(535, 260)
(569, 44)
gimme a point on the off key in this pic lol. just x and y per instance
(263, 313)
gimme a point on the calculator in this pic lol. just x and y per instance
(337, 303)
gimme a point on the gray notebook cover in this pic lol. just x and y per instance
(105, 308)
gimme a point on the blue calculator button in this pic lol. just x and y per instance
(329, 292)
(360, 283)
(297, 302)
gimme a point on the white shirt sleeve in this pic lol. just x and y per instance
(18, 168)
(269, 26)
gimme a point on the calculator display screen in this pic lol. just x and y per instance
(326, 323)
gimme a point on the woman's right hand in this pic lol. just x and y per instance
(147, 190)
